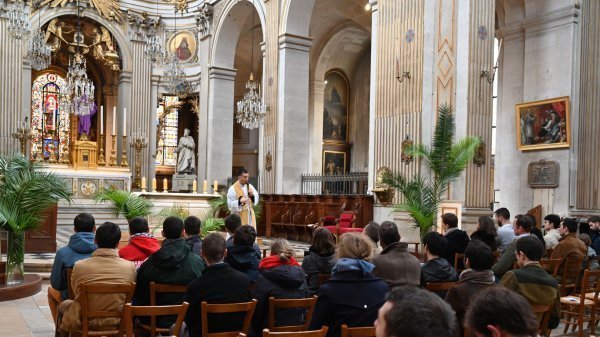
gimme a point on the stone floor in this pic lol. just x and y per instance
(30, 317)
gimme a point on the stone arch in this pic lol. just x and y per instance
(228, 29)
(297, 15)
(329, 53)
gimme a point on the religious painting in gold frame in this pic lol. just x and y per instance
(335, 107)
(334, 162)
(183, 44)
(543, 125)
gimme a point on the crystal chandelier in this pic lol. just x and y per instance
(19, 25)
(154, 50)
(175, 78)
(79, 88)
(38, 51)
(251, 109)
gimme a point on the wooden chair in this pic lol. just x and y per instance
(551, 263)
(247, 307)
(458, 257)
(69, 287)
(591, 260)
(87, 315)
(367, 331)
(545, 311)
(440, 287)
(155, 289)
(153, 311)
(577, 309)
(312, 333)
(305, 303)
(571, 270)
(323, 278)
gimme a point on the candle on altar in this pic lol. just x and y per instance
(205, 186)
(102, 119)
(215, 185)
(124, 121)
(194, 185)
(114, 121)
(153, 184)
(165, 184)
(143, 183)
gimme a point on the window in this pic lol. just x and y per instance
(167, 125)
(49, 124)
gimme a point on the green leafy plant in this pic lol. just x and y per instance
(447, 159)
(219, 208)
(26, 191)
(211, 224)
(124, 203)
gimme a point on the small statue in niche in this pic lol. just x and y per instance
(406, 155)
(186, 160)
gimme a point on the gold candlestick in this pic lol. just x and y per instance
(23, 134)
(101, 161)
(113, 151)
(124, 162)
(138, 143)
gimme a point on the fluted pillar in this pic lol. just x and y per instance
(12, 110)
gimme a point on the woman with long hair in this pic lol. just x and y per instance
(353, 295)
(320, 259)
(281, 277)
(486, 232)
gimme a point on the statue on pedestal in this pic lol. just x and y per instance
(185, 173)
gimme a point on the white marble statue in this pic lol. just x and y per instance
(186, 159)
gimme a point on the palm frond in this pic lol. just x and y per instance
(443, 137)
(124, 203)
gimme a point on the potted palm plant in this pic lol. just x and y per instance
(422, 194)
(124, 203)
(26, 191)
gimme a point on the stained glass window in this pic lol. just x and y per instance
(49, 124)
(167, 127)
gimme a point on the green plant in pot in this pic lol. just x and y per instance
(422, 194)
(219, 210)
(124, 203)
(26, 191)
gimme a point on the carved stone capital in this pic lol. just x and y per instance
(142, 25)
(204, 18)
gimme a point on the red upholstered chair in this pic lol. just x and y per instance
(344, 224)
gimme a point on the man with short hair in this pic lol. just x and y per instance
(232, 223)
(141, 243)
(530, 280)
(475, 279)
(192, 226)
(241, 198)
(81, 246)
(105, 266)
(569, 242)
(594, 223)
(411, 311)
(506, 233)
(456, 239)
(499, 312)
(523, 225)
(244, 255)
(436, 269)
(552, 236)
(218, 284)
(173, 263)
(395, 265)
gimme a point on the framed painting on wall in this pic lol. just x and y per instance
(183, 45)
(334, 162)
(543, 124)
(335, 108)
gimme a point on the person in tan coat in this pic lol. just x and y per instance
(395, 265)
(105, 266)
(569, 243)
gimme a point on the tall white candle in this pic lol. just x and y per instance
(114, 121)
(124, 121)
(102, 119)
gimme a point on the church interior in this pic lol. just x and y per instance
(327, 113)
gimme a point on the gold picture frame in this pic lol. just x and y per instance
(334, 162)
(183, 44)
(336, 107)
(544, 124)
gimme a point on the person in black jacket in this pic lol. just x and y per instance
(320, 259)
(244, 255)
(436, 269)
(281, 277)
(192, 234)
(486, 232)
(218, 284)
(456, 239)
(353, 295)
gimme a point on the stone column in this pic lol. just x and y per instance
(373, 93)
(220, 124)
(292, 121)
(204, 23)
(315, 127)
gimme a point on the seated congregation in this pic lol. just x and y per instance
(494, 283)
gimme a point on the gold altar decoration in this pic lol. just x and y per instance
(101, 161)
(138, 143)
(113, 151)
(23, 134)
(385, 194)
(106, 8)
(180, 5)
(124, 162)
(85, 154)
(406, 156)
